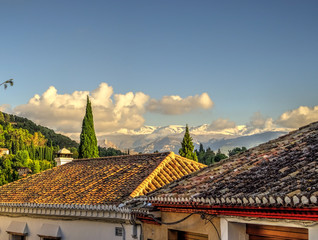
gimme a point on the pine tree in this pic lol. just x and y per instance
(88, 142)
(187, 147)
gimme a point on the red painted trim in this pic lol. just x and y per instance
(310, 214)
(230, 207)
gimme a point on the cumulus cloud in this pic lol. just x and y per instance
(64, 112)
(298, 117)
(221, 124)
(112, 112)
(5, 108)
(175, 105)
(258, 121)
(257, 124)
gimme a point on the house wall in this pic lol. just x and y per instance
(235, 228)
(70, 229)
(193, 224)
(230, 228)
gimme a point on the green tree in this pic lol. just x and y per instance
(35, 166)
(187, 147)
(236, 151)
(74, 150)
(1, 117)
(23, 158)
(45, 165)
(88, 142)
(200, 154)
(104, 152)
(219, 156)
(209, 156)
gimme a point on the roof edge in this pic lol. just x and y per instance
(257, 201)
(151, 176)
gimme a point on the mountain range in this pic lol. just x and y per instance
(149, 139)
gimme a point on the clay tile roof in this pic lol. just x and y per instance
(109, 180)
(281, 172)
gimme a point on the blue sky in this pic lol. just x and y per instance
(248, 56)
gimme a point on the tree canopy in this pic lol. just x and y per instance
(187, 147)
(88, 142)
(236, 151)
(26, 150)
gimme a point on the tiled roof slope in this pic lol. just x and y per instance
(108, 180)
(281, 172)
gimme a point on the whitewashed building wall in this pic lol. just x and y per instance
(70, 229)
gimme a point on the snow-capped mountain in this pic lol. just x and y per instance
(168, 138)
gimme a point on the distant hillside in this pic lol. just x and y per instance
(173, 142)
(244, 141)
(57, 139)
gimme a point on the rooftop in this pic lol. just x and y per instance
(109, 180)
(281, 172)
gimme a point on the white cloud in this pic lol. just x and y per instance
(221, 124)
(5, 108)
(298, 117)
(257, 124)
(64, 112)
(175, 105)
(258, 121)
(112, 112)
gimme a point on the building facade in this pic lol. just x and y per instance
(267, 192)
(84, 199)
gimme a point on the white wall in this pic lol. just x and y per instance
(70, 229)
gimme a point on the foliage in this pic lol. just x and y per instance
(26, 151)
(219, 156)
(209, 157)
(236, 151)
(75, 152)
(105, 152)
(55, 139)
(32, 146)
(187, 147)
(6, 83)
(88, 142)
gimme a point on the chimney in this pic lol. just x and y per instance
(63, 156)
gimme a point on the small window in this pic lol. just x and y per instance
(49, 238)
(16, 237)
(118, 231)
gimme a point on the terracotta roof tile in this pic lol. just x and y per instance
(284, 167)
(109, 180)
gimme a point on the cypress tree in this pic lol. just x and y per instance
(88, 142)
(187, 147)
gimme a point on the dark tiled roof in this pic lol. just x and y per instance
(109, 180)
(281, 172)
